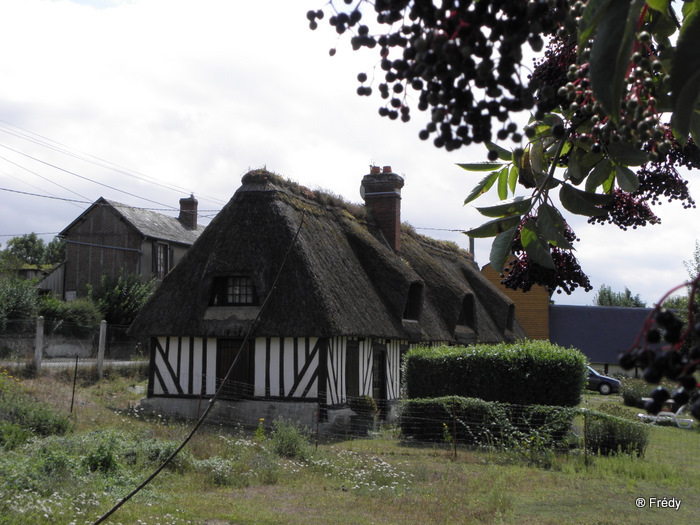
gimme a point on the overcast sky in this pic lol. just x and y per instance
(147, 101)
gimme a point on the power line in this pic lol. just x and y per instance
(92, 159)
(82, 176)
(119, 204)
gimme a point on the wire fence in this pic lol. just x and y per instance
(63, 339)
(595, 427)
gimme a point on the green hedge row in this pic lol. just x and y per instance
(607, 434)
(522, 373)
(478, 422)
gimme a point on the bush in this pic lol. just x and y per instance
(632, 392)
(524, 373)
(480, 422)
(607, 434)
(120, 297)
(78, 318)
(289, 440)
(18, 303)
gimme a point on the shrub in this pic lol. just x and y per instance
(632, 392)
(120, 297)
(18, 305)
(607, 434)
(480, 422)
(78, 318)
(524, 373)
(290, 440)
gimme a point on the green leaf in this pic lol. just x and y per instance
(552, 227)
(481, 166)
(501, 248)
(625, 153)
(659, 5)
(582, 202)
(594, 11)
(515, 206)
(503, 183)
(535, 247)
(695, 127)
(494, 227)
(482, 187)
(611, 52)
(685, 75)
(576, 171)
(513, 177)
(536, 158)
(602, 172)
(503, 153)
(626, 179)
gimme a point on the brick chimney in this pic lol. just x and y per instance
(188, 212)
(381, 190)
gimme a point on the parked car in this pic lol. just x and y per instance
(603, 384)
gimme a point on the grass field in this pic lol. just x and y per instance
(273, 475)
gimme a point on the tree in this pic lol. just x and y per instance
(32, 250)
(27, 249)
(55, 251)
(613, 105)
(120, 297)
(606, 297)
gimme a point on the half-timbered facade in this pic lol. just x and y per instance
(306, 303)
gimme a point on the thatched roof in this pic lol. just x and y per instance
(340, 277)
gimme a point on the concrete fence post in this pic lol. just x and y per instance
(38, 343)
(101, 347)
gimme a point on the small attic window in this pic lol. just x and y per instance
(414, 302)
(236, 290)
(467, 316)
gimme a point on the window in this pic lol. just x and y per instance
(233, 291)
(161, 259)
(467, 316)
(414, 302)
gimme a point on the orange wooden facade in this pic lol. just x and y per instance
(531, 308)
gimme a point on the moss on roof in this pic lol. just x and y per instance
(340, 278)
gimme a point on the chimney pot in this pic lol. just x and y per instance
(374, 169)
(386, 169)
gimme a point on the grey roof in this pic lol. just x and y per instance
(340, 277)
(148, 223)
(600, 332)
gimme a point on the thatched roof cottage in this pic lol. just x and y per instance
(330, 296)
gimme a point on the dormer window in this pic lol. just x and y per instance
(414, 302)
(467, 315)
(236, 290)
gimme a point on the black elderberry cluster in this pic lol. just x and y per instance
(463, 57)
(626, 211)
(671, 362)
(659, 180)
(522, 272)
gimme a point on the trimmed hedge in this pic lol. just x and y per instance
(479, 422)
(607, 434)
(523, 373)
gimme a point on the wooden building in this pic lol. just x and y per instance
(110, 237)
(316, 300)
(532, 306)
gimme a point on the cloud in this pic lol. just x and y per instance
(193, 94)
